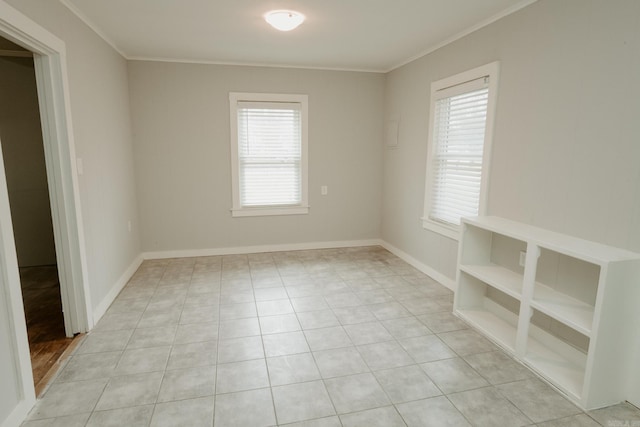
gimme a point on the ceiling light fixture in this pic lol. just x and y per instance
(284, 20)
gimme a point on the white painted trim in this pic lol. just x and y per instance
(10, 285)
(506, 12)
(433, 48)
(59, 151)
(186, 253)
(448, 230)
(89, 23)
(634, 386)
(285, 210)
(19, 414)
(253, 64)
(492, 71)
(55, 111)
(106, 302)
(57, 132)
(429, 271)
(235, 98)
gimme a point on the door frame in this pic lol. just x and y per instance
(60, 158)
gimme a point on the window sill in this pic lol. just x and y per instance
(270, 211)
(450, 231)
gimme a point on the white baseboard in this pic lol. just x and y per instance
(106, 302)
(101, 309)
(19, 413)
(429, 271)
(260, 249)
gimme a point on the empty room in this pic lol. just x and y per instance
(320, 213)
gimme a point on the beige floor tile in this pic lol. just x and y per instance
(296, 338)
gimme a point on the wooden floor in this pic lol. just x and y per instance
(45, 324)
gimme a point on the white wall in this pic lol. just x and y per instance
(102, 131)
(566, 153)
(182, 154)
(9, 387)
(565, 149)
(23, 152)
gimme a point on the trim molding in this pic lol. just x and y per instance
(106, 302)
(506, 12)
(89, 23)
(19, 413)
(96, 29)
(55, 110)
(260, 249)
(254, 64)
(429, 271)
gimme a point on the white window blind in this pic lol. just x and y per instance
(269, 153)
(457, 164)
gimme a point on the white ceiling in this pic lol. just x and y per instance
(368, 35)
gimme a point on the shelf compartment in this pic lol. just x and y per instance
(491, 311)
(493, 258)
(507, 281)
(566, 289)
(570, 311)
(494, 327)
(558, 354)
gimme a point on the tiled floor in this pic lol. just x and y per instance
(340, 337)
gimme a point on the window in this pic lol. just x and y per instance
(460, 132)
(268, 154)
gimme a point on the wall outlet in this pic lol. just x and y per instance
(523, 258)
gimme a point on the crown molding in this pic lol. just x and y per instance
(255, 64)
(89, 23)
(506, 12)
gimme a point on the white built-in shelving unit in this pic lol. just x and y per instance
(571, 311)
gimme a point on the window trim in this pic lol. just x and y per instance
(237, 209)
(491, 70)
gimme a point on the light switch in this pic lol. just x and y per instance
(324, 190)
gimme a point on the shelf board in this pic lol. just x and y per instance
(572, 246)
(493, 326)
(565, 374)
(499, 277)
(576, 314)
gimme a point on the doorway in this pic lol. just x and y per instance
(29, 200)
(49, 58)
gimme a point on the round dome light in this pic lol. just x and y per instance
(284, 20)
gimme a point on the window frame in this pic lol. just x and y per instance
(491, 71)
(237, 209)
